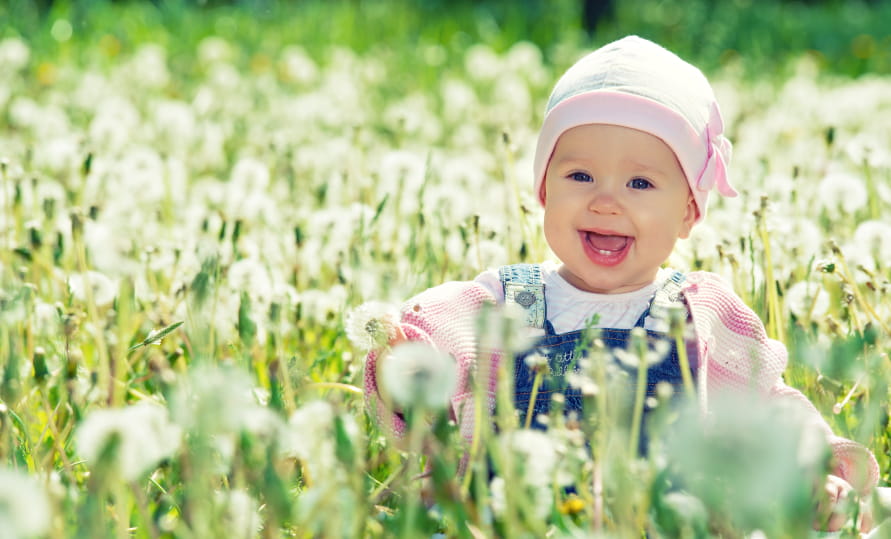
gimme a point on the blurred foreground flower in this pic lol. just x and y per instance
(371, 325)
(220, 401)
(317, 435)
(92, 285)
(142, 434)
(540, 499)
(535, 454)
(418, 375)
(14, 54)
(753, 463)
(239, 513)
(24, 507)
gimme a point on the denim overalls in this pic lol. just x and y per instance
(523, 287)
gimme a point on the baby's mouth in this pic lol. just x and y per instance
(606, 244)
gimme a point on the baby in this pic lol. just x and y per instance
(631, 147)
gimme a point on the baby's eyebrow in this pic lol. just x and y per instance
(644, 168)
(574, 161)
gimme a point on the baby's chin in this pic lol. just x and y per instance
(604, 285)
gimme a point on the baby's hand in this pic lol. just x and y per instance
(398, 336)
(832, 510)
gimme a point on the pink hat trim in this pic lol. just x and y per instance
(702, 157)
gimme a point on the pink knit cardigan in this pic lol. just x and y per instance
(734, 352)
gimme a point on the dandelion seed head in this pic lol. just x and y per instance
(248, 175)
(413, 116)
(322, 305)
(482, 63)
(514, 105)
(210, 152)
(94, 286)
(14, 54)
(298, 66)
(310, 436)
(535, 452)
(536, 361)
(113, 123)
(418, 375)
(841, 193)
(459, 99)
(371, 325)
(25, 509)
(213, 49)
(215, 400)
(585, 384)
(46, 318)
(175, 126)
(525, 59)
(144, 433)
(250, 275)
(498, 493)
(148, 67)
(108, 246)
(807, 299)
(138, 176)
(664, 391)
(240, 513)
(491, 251)
(224, 78)
(875, 237)
(59, 155)
(402, 169)
(859, 254)
(866, 148)
(626, 358)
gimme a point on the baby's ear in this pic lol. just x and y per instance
(691, 213)
(543, 192)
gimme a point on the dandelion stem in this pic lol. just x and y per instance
(639, 395)
(378, 492)
(536, 383)
(335, 385)
(104, 360)
(774, 325)
(838, 407)
(683, 360)
(512, 179)
(416, 431)
(873, 198)
(58, 437)
(474, 445)
(597, 480)
(848, 277)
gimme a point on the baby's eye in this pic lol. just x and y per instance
(580, 177)
(640, 183)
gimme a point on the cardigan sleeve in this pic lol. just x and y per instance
(444, 317)
(735, 353)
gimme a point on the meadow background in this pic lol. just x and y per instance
(194, 196)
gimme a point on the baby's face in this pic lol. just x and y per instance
(616, 201)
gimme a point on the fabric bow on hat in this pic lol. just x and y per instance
(714, 174)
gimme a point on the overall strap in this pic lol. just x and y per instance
(522, 286)
(668, 297)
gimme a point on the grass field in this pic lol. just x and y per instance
(194, 198)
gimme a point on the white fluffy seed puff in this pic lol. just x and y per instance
(417, 375)
(372, 325)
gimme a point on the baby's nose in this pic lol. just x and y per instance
(604, 201)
